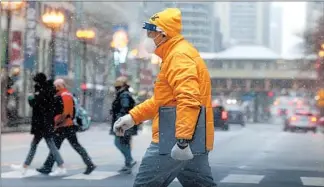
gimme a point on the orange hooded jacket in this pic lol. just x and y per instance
(183, 82)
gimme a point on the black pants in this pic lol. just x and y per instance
(71, 136)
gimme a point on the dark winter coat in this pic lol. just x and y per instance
(121, 105)
(43, 109)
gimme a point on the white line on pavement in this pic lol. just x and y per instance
(312, 181)
(243, 179)
(19, 174)
(96, 175)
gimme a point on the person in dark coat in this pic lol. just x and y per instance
(121, 105)
(66, 129)
(42, 125)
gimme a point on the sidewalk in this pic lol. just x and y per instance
(146, 128)
(19, 129)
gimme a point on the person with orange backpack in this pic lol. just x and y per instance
(65, 128)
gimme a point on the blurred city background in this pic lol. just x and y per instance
(255, 51)
(265, 59)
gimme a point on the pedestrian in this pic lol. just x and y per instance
(183, 82)
(121, 105)
(42, 102)
(65, 128)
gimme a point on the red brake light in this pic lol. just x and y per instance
(313, 119)
(224, 115)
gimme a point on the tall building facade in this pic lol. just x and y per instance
(276, 29)
(218, 36)
(313, 11)
(198, 24)
(244, 22)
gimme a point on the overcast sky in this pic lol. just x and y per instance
(294, 15)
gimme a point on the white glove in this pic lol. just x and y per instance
(179, 152)
(122, 124)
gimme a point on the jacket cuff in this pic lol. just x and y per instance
(134, 117)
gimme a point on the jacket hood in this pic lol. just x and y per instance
(169, 20)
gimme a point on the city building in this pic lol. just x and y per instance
(248, 68)
(102, 17)
(276, 29)
(217, 35)
(314, 10)
(198, 24)
(244, 22)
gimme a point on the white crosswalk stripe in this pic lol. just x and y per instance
(19, 174)
(244, 179)
(96, 175)
(103, 175)
(176, 180)
(312, 181)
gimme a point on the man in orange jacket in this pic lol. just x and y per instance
(183, 82)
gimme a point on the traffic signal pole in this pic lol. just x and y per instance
(77, 63)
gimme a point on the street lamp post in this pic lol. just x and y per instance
(53, 20)
(8, 6)
(320, 72)
(85, 35)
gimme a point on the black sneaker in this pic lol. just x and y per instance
(44, 171)
(89, 169)
(125, 170)
(132, 164)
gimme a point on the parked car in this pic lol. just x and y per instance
(235, 114)
(301, 120)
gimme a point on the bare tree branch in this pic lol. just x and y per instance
(314, 38)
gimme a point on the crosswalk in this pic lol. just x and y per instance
(247, 179)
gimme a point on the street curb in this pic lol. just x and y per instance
(20, 129)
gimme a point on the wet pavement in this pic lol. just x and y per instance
(259, 155)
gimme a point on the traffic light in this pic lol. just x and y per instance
(270, 94)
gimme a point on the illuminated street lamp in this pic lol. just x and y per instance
(8, 7)
(53, 19)
(321, 54)
(119, 44)
(85, 35)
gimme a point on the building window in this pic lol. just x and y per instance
(229, 65)
(256, 65)
(239, 65)
(216, 64)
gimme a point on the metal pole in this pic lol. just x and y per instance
(7, 61)
(138, 73)
(78, 60)
(84, 59)
(1, 83)
(256, 107)
(53, 54)
(117, 64)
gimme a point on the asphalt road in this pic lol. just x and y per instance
(259, 155)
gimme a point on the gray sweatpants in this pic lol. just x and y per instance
(160, 170)
(50, 144)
